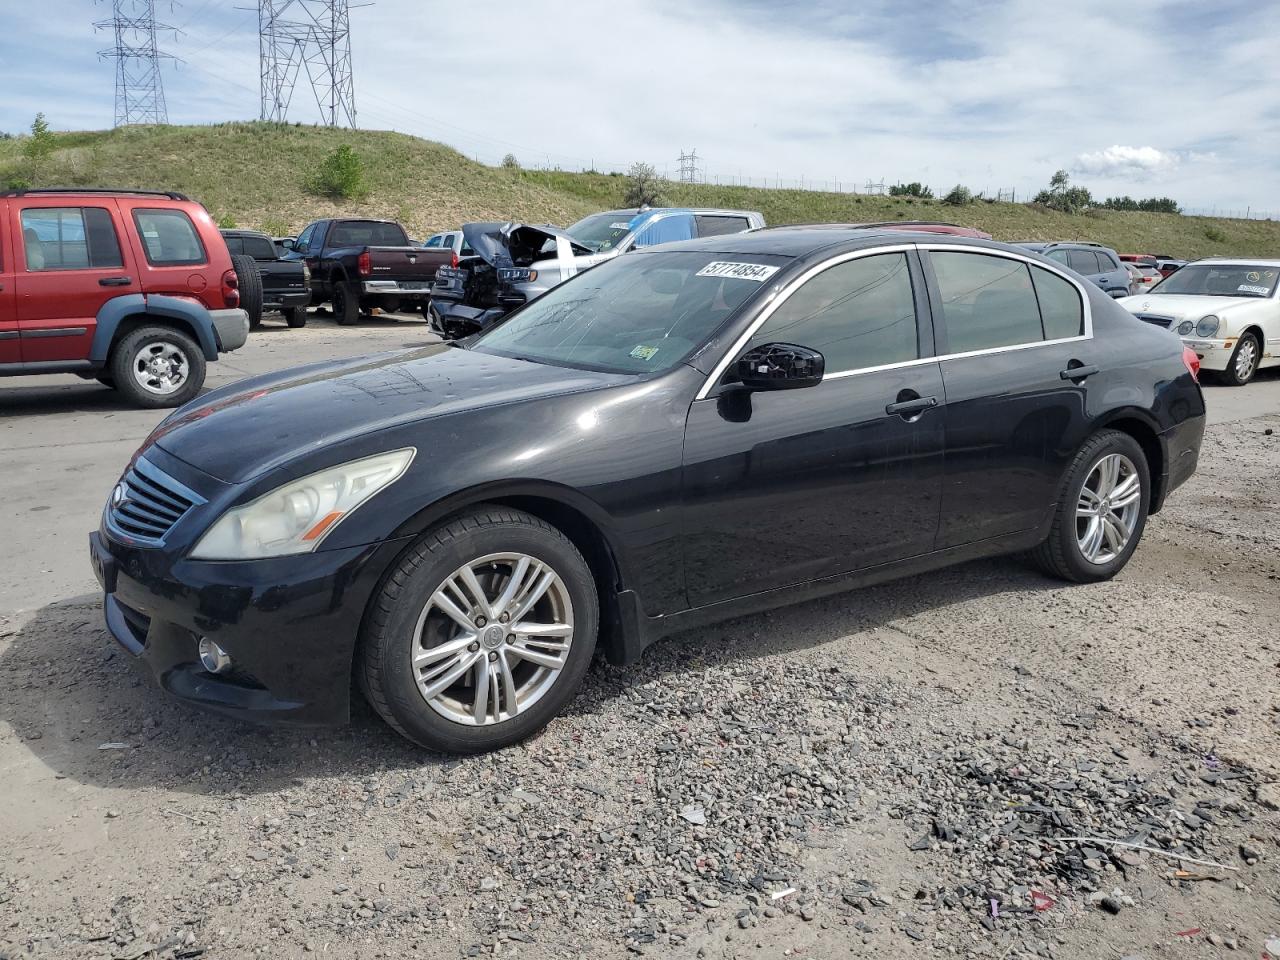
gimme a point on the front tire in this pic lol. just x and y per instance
(157, 367)
(1244, 362)
(1101, 512)
(481, 633)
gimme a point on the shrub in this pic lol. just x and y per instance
(913, 189)
(226, 222)
(958, 196)
(1215, 234)
(276, 227)
(509, 162)
(340, 176)
(1064, 197)
(644, 187)
(41, 142)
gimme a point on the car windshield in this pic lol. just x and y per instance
(642, 313)
(1220, 280)
(601, 231)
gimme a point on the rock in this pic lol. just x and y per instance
(393, 850)
(1111, 905)
(259, 855)
(694, 814)
(1268, 795)
(1215, 939)
(1250, 854)
(489, 883)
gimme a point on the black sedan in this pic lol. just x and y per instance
(678, 435)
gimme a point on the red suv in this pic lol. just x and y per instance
(130, 287)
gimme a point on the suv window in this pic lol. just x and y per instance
(435, 241)
(1106, 261)
(715, 225)
(858, 314)
(1083, 261)
(678, 226)
(70, 238)
(1061, 308)
(169, 238)
(987, 301)
(260, 248)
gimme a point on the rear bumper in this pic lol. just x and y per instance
(1181, 446)
(231, 328)
(289, 624)
(285, 299)
(420, 289)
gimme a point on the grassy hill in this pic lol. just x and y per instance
(255, 175)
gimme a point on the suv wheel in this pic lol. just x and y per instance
(250, 280)
(1101, 511)
(346, 304)
(481, 633)
(157, 367)
(295, 316)
(1243, 363)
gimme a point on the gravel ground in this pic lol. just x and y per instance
(897, 770)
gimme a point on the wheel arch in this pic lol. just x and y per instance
(120, 316)
(1140, 427)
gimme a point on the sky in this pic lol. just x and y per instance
(1167, 99)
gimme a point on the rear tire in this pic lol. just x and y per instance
(1093, 508)
(407, 621)
(157, 367)
(346, 304)
(250, 281)
(1243, 363)
(295, 316)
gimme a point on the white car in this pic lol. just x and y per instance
(1225, 309)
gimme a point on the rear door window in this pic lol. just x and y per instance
(666, 230)
(70, 238)
(857, 314)
(435, 241)
(716, 225)
(169, 238)
(988, 302)
(1083, 261)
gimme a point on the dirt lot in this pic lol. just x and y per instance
(884, 773)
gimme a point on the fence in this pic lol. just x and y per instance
(1248, 213)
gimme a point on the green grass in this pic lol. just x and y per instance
(255, 174)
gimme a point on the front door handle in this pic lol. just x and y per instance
(915, 405)
(115, 281)
(1078, 372)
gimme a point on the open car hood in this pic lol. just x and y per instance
(516, 244)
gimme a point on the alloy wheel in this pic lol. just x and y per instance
(492, 639)
(160, 367)
(1107, 509)
(1246, 359)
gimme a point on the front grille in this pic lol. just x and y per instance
(1156, 320)
(147, 503)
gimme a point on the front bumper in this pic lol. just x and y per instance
(290, 625)
(231, 328)
(416, 289)
(1213, 354)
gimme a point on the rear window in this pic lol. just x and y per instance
(169, 238)
(70, 238)
(260, 248)
(714, 225)
(366, 233)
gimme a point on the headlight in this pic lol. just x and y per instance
(1207, 326)
(294, 518)
(1185, 328)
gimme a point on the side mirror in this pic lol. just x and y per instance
(780, 366)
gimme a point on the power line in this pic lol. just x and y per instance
(139, 87)
(310, 35)
(689, 172)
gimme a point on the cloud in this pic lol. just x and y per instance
(1122, 161)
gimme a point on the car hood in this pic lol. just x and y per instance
(1182, 306)
(509, 244)
(257, 425)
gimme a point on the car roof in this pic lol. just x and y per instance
(1238, 261)
(802, 241)
(634, 212)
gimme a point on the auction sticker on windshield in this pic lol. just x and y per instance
(759, 272)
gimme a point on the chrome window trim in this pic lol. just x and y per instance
(784, 293)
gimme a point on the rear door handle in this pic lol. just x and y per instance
(1077, 373)
(911, 406)
(115, 281)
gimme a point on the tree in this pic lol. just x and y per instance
(41, 142)
(509, 162)
(1062, 196)
(913, 189)
(958, 196)
(340, 176)
(644, 187)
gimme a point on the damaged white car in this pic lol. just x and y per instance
(1225, 309)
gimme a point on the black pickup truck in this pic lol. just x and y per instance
(357, 265)
(286, 284)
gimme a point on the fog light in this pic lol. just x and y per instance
(212, 657)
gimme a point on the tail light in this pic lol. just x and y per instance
(1192, 362)
(364, 265)
(454, 261)
(230, 289)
